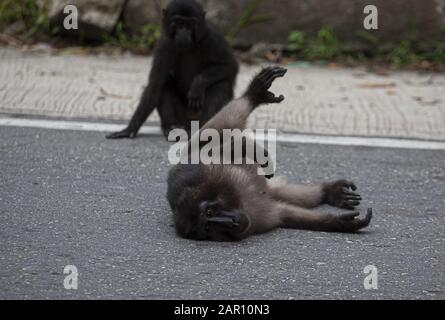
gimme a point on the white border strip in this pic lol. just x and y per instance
(70, 125)
(285, 137)
(393, 143)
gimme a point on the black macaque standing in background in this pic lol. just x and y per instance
(193, 73)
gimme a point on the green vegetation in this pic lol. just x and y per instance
(28, 20)
(248, 19)
(403, 54)
(326, 46)
(28, 23)
(141, 41)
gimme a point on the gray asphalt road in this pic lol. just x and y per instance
(72, 198)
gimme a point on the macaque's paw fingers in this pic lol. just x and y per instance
(349, 216)
(347, 184)
(271, 74)
(363, 223)
(111, 136)
(278, 99)
(351, 204)
(368, 217)
(258, 91)
(350, 222)
(272, 98)
(267, 76)
(127, 133)
(349, 201)
(277, 72)
(196, 103)
(338, 194)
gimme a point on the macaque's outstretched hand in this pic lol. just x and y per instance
(126, 133)
(258, 92)
(341, 194)
(349, 222)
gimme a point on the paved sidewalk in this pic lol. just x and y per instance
(318, 100)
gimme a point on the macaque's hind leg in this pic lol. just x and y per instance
(338, 194)
(298, 218)
(341, 194)
(298, 195)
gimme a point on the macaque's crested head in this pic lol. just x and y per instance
(184, 23)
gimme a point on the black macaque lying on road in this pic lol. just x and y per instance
(232, 202)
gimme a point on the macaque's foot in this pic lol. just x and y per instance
(126, 133)
(196, 101)
(197, 95)
(258, 92)
(339, 194)
(349, 222)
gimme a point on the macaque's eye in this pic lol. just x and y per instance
(210, 212)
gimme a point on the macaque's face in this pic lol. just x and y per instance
(184, 25)
(210, 220)
(182, 31)
(220, 224)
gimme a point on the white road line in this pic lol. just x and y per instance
(284, 137)
(70, 125)
(393, 143)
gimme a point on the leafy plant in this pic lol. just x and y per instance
(142, 40)
(325, 45)
(296, 41)
(32, 17)
(248, 19)
(403, 54)
(10, 11)
(438, 54)
(371, 39)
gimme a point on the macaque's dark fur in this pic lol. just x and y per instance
(232, 202)
(193, 73)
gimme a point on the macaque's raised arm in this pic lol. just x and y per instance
(235, 114)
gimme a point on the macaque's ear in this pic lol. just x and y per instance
(164, 12)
